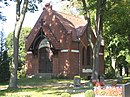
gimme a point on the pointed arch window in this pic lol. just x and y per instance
(88, 55)
(83, 56)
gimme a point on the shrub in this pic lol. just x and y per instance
(22, 72)
(90, 84)
(65, 95)
(109, 72)
(89, 93)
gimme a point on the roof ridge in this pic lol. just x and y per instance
(68, 14)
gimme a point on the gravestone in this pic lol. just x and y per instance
(77, 81)
(119, 79)
(126, 90)
(102, 79)
(114, 83)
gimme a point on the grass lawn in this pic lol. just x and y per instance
(38, 87)
(41, 87)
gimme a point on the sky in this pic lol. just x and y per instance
(30, 18)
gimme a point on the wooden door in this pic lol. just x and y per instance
(45, 64)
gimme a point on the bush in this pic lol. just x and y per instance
(65, 95)
(89, 93)
(90, 84)
(109, 73)
(22, 72)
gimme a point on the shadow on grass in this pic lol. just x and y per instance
(39, 87)
(45, 90)
(40, 81)
(43, 87)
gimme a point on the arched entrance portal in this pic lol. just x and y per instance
(45, 54)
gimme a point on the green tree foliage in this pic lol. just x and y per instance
(22, 54)
(22, 6)
(93, 12)
(2, 17)
(4, 60)
(4, 67)
(2, 5)
(117, 28)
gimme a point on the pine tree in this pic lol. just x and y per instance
(4, 60)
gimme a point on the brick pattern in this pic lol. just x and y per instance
(62, 29)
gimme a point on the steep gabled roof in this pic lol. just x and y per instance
(72, 24)
(56, 23)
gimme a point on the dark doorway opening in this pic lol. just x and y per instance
(45, 64)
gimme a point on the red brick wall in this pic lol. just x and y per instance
(55, 65)
(101, 54)
(74, 64)
(32, 64)
(66, 63)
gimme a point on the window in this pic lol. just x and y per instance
(88, 55)
(83, 55)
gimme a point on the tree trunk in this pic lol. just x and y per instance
(16, 34)
(96, 64)
(120, 70)
(113, 62)
(14, 65)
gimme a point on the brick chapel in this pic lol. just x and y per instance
(57, 45)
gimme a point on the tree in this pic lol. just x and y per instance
(98, 31)
(4, 62)
(116, 35)
(21, 9)
(4, 67)
(2, 17)
(1, 43)
(96, 7)
(22, 54)
(20, 15)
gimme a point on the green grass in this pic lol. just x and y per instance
(41, 81)
(41, 87)
(30, 92)
(37, 87)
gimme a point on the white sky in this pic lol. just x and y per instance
(30, 19)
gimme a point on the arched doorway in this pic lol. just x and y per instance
(45, 54)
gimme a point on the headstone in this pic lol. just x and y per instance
(114, 83)
(126, 90)
(102, 79)
(87, 70)
(77, 81)
(119, 79)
